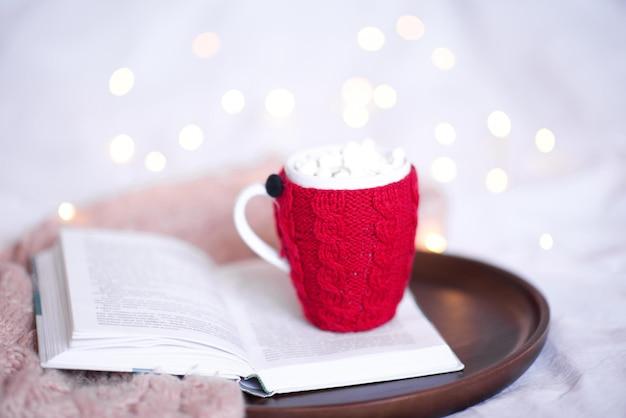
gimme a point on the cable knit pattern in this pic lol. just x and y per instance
(350, 251)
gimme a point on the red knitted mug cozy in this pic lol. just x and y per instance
(350, 251)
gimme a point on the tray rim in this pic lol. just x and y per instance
(501, 374)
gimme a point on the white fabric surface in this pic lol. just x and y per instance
(559, 65)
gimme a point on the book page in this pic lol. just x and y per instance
(277, 334)
(134, 284)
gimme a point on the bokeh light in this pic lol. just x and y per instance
(155, 161)
(545, 140)
(435, 242)
(443, 58)
(355, 115)
(121, 81)
(66, 211)
(497, 180)
(410, 27)
(371, 38)
(385, 96)
(445, 133)
(121, 149)
(357, 90)
(546, 242)
(499, 124)
(233, 102)
(206, 45)
(280, 103)
(190, 137)
(443, 169)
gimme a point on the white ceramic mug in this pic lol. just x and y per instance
(348, 243)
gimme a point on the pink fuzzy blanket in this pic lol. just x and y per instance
(199, 211)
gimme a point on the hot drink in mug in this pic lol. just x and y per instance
(346, 217)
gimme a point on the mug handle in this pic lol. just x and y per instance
(256, 244)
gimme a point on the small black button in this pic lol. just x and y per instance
(274, 185)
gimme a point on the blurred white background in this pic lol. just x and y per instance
(513, 112)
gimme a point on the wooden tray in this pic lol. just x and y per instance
(494, 321)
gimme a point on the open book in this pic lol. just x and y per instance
(138, 302)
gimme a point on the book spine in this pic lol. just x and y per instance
(34, 277)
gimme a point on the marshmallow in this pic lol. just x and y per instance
(398, 157)
(308, 167)
(353, 160)
(331, 160)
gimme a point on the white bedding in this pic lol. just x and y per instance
(559, 65)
